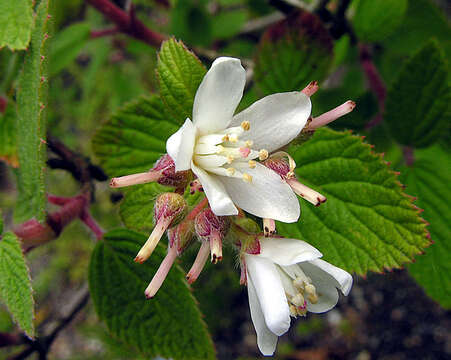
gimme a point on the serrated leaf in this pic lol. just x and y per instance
(66, 46)
(31, 126)
(429, 181)
(375, 20)
(292, 53)
(8, 138)
(418, 105)
(134, 138)
(367, 223)
(169, 325)
(16, 21)
(179, 73)
(15, 283)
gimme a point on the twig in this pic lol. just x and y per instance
(375, 82)
(127, 22)
(104, 32)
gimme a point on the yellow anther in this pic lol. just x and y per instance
(230, 171)
(246, 125)
(298, 283)
(263, 154)
(225, 138)
(293, 310)
(249, 143)
(298, 300)
(230, 159)
(247, 178)
(252, 164)
(233, 138)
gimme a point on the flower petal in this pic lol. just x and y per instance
(217, 196)
(267, 196)
(266, 340)
(343, 278)
(180, 146)
(218, 95)
(275, 120)
(286, 252)
(270, 293)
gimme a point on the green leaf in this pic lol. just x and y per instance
(8, 136)
(418, 105)
(134, 138)
(31, 127)
(228, 23)
(367, 223)
(66, 46)
(423, 20)
(292, 53)
(429, 180)
(169, 325)
(15, 283)
(179, 73)
(16, 21)
(375, 20)
(137, 207)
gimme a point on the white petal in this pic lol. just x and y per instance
(286, 252)
(326, 288)
(343, 278)
(271, 295)
(219, 200)
(266, 340)
(275, 120)
(206, 161)
(218, 95)
(267, 196)
(180, 146)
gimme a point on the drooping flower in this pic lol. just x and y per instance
(286, 279)
(221, 148)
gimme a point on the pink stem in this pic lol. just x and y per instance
(311, 88)
(104, 32)
(135, 179)
(332, 115)
(58, 200)
(90, 222)
(161, 273)
(197, 209)
(199, 263)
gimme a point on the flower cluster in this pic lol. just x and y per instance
(238, 161)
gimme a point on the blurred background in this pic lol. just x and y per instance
(95, 69)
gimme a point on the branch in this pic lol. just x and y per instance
(127, 22)
(375, 82)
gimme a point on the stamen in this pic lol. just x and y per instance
(230, 159)
(199, 263)
(246, 125)
(161, 273)
(263, 154)
(152, 242)
(312, 295)
(225, 138)
(293, 310)
(249, 143)
(252, 164)
(298, 299)
(269, 227)
(247, 178)
(332, 115)
(306, 193)
(230, 171)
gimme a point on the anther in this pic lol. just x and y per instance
(263, 154)
(225, 138)
(298, 300)
(230, 171)
(233, 138)
(246, 125)
(249, 143)
(230, 159)
(252, 164)
(247, 178)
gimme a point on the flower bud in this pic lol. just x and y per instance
(170, 209)
(169, 177)
(212, 228)
(281, 163)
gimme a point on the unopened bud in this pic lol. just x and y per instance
(170, 209)
(212, 228)
(182, 235)
(281, 163)
(170, 177)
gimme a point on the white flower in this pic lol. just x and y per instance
(220, 147)
(288, 278)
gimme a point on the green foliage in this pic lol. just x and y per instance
(418, 105)
(134, 138)
(15, 283)
(31, 128)
(228, 23)
(137, 207)
(179, 73)
(169, 325)
(429, 180)
(8, 138)
(375, 20)
(16, 21)
(292, 53)
(66, 46)
(367, 222)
